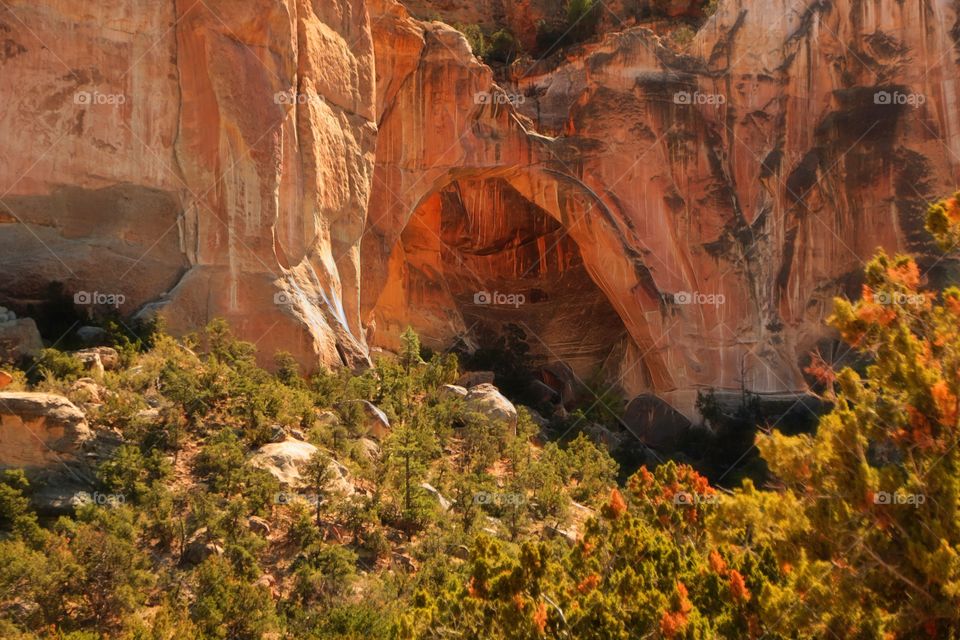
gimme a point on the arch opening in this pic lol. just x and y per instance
(481, 263)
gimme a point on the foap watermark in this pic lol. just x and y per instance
(697, 98)
(898, 298)
(96, 298)
(294, 97)
(897, 498)
(914, 100)
(282, 299)
(499, 299)
(90, 98)
(689, 499)
(696, 297)
(498, 97)
(499, 499)
(289, 497)
(103, 499)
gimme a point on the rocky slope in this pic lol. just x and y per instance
(322, 173)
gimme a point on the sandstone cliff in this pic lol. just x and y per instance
(322, 173)
(719, 197)
(209, 158)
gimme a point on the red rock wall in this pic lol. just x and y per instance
(301, 218)
(226, 171)
(770, 197)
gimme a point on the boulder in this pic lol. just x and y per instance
(268, 582)
(287, 460)
(369, 448)
(148, 415)
(41, 431)
(340, 479)
(537, 418)
(375, 421)
(568, 534)
(107, 357)
(604, 437)
(92, 364)
(487, 400)
(47, 436)
(199, 548)
(473, 378)
(433, 491)
(542, 393)
(19, 338)
(655, 423)
(453, 391)
(59, 496)
(277, 433)
(87, 391)
(562, 380)
(405, 561)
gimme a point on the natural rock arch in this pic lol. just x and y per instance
(491, 141)
(580, 215)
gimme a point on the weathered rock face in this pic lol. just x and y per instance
(212, 159)
(477, 258)
(41, 432)
(47, 436)
(719, 198)
(675, 220)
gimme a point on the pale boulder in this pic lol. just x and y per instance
(444, 503)
(326, 419)
(19, 338)
(287, 462)
(487, 400)
(453, 391)
(87, 391)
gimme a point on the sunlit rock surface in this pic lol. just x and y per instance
(324, 173)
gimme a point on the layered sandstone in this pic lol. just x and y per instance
(212, 159)
(720, 197)
(323, 173)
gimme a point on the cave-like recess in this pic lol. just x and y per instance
(482, 235)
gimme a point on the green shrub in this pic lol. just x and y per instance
(227, 606)
(324, 572)
(56, 365)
